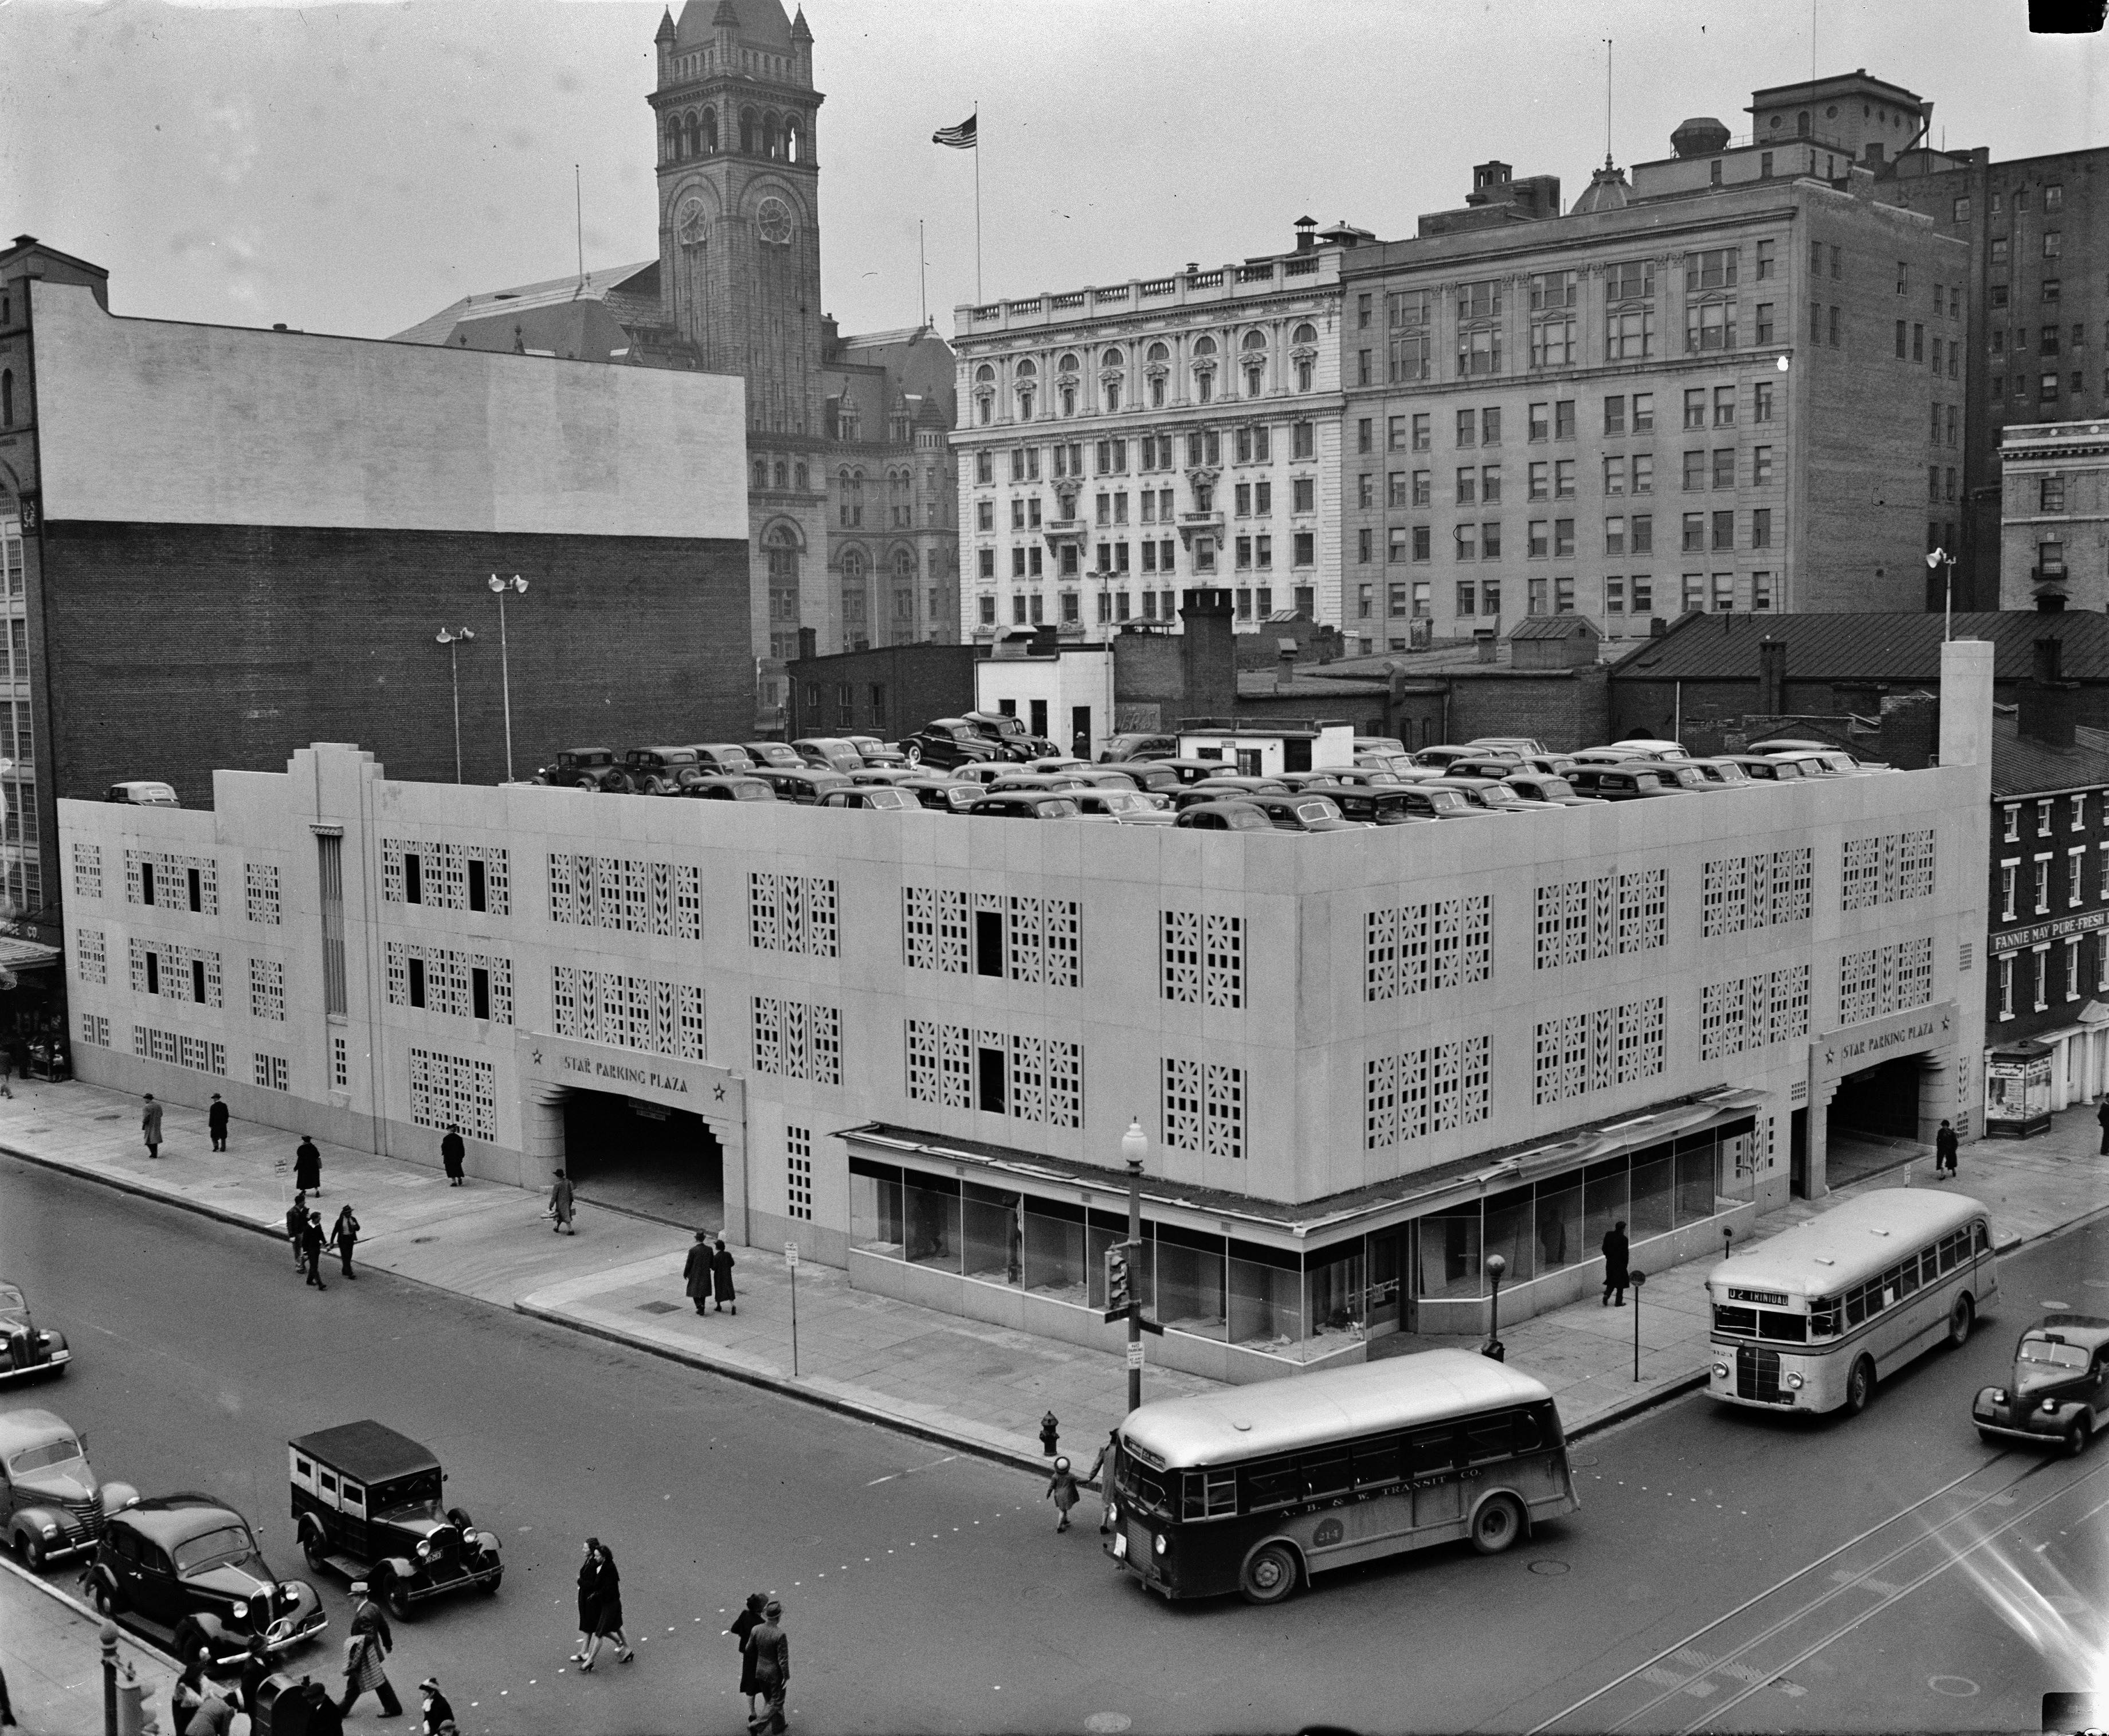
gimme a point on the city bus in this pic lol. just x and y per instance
(1257, 1488)
(1808, 1321)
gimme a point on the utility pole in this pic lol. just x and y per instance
(1123, 1263)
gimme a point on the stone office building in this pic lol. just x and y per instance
(1365, 1061)
(1734, 385)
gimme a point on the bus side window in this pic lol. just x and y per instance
(1983, 1232)
(1823, 1317)
(1431, 1450)
(1929, 1265)
(1324, 1473)
(1548, 1423)
(1528, 1437)
(1270, 1483)
(1951, 1250)
(1378, 1462)
(1211, 1494)
(1489, 1437)
(1856, 1305)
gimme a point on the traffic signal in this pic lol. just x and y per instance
(1120, 1286)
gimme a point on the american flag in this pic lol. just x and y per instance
(960, 137)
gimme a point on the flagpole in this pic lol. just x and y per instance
(978, 201)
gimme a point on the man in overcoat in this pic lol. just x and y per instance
(696, 1271)
(369, 1644)
(1616, 1251)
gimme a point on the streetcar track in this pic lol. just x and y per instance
(1856, 1580)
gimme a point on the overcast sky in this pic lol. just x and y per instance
(355, 168)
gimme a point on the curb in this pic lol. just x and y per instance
(126, 1185)
(89, 1613)
(1673, 1388)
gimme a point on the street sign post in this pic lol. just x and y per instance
(791, 1264)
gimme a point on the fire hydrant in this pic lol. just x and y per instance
(134, 1717)
(1048, 1426)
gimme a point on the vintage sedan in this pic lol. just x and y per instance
(1231, 816)
(777, 753)
(586, 768)
(948, 743)
(742, 787)
(872, 798)
(804, 785)
(188, 1564)
(366, 1501)
(27, 1350)
(50, 1501)
(661, 771)
(875, 752)
(2059, 1393)
(829, 753)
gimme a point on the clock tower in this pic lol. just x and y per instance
(739, 276)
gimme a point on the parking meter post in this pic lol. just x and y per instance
(1637, 1279)
(791, 1260)
(109, 1638)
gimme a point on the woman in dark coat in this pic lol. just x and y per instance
(589, 1594)
(721, 1275)
(697, 1271)
(308, 1166)
(1615, 1250)
(452, 1151)
(743, 1624)
(607, 1611)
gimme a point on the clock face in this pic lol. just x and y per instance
(689, 222)
(774, 220)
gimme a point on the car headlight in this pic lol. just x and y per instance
(1159, 1544)
(289, 1591)
(51, 1530)
(241, 1610)
(424, 1548)
(2049, 1406)
(1720, 1371)
(1998, 1396)
(1795, 1381)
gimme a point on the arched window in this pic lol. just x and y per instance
(1801, 128)
(1156, 361)
(771, 144)
(1067, 365)
(761, 473)
(746, 131)
(1065, 390)
(1026, 370)
(985, 375)
(800, 473)
(1112, 359)
(1204, 369)
(984, 394)
(1204, 346)
(7, 398)
(780, 473)
(1254, 362)
(794, 142)
(673, 141)
(709, 129)
(782, 548)
(856, 497)
(1305, 334)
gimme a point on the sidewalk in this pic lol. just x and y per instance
(51, 1649)
(978, 1388)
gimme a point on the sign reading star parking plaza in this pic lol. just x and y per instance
(712, 1092)
(1858, 1046)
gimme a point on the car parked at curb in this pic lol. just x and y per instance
(2058, 1393)
(28, 1350)
(368, 1505)
(585, 768)
(52, 1504)
(188, 1565)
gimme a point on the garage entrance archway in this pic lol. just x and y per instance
(643, 1157)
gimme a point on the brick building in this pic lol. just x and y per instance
(1723, 387)
(218, 542)
(2054, 519)
(913, 1043)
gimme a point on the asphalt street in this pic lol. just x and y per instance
(1910, 1576)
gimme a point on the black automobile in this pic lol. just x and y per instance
(802, 784)
(1761, 768)
(1306, 813)
(1632, 781)
(1383, 806)
(2059, 1393)
(661, 772)
(829, 753)
(188, 1565)
(947, 742)
(875, 752)
(1011, 736)
(721, 757)
(947, 795)
(27, 1350)
(1233, 816)
(585, 768)
(1027, 804)
(777, 753)
(1137, 747)
(367, 1504)
(872, 798)
(745, 787)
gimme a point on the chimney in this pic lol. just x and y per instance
(1046, 641)
(809, 642)
(2047, 704)
(1285, 672)
(1307, 228)
(1772, 678)
(1486, 642)
(1208, 663)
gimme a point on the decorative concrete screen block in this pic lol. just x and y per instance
(1409, 951)
(792, 913)
(91, 960)
(175, 973)
(1202, 958)
(1578, 920)
(267, 990)
(796, 1041)
(260, 882)
(87, 870)
(453, 877)
(1755, 891)
(199, 1053)
(1042, 1077)
(95, 1028)
(454, 1090)
(1203, 1109)
(934, 929)
(1884, 979)
(632, 896)
(1749, 1013)
(442, 980)
(941, 1064)
(1041, 937)
(798, 1172)
(1885, 869)
(625, 1012)
(1583, 1052)
(169, 881)
(1424, 1091)
(271, 1071)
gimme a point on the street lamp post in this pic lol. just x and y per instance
(499, 587)
(1496, 1267)
(451, 638)
(1637, 1277)
(1135, 1146)
(1939, 557)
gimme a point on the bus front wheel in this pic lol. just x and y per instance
(1859, 1386)
(1961, 1318)
(1270, 1574)
(1497, 1524)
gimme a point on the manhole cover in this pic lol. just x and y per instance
(1108, 1721)
(658, 1308)
(1583, 1461)
(1955, 1686)
(994, 1370)
(115, 1115)
(2096, 1283)
(1551, 1570)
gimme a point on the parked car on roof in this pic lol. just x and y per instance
(1235, 815)
(877, 799)
(1390, 746)
(1379, 806)
(52, 1504)
(779, 754)
(585, 768)
(947, 795)
(1717, 769)
(188, 1565)
(875, 752)
(1011, 736)
(1539, 786)
(876, 774)
(1493, 766)
(368, 1505)
(1687, 775)
(1380, 776)
(660, 771)
(746, 787)
(1650, 747)
(805, 785)
(1156, 776)
(721, 757)
(1526, 746)
(1628, 781)
(28, 1350)
(1441, 753)
(1305, 813)
(1834, 761)
(1036, 780)
(1221, 789)
(1027, 804)
(1189, 769)
(1490, 793)
(829, 752)
(1137, 746)
(142, 792)
(1059, 762)
(1326, 780)
(1129, 807)
(1761, 768)
(2058, 1393)
(949, 742)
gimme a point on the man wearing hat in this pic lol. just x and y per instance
(439, 1715)
(370, 1642)
(771, 1647)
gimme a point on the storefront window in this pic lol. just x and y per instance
(931, 1213)
(1559, 1242)
(1265, 1285)
(1190, 1281)
(992, 1235)
(1739, 1158)
(875, 1224)
(1654, 1177)
(1510, 1233)
(1603, 1201)
(1697, 1159)
(1055, 1251)
(1333, 1289)
(1450, 1253)
(1385, 1247)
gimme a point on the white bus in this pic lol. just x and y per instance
(1811, 1319)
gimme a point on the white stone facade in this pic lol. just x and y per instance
(2054, 516)
(1363, 1060)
